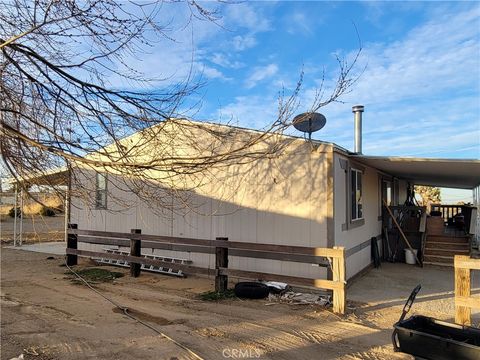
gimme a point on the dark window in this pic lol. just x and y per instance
(101, 191)
(356, 194)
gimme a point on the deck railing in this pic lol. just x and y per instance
(333, 258)
(448, 213)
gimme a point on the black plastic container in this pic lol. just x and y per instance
(432, 339)
(428, 338)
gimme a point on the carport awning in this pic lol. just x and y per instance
(453, 173)
(54, 177)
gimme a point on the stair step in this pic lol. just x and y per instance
(445, 252)
(449, 239)
(438, 259)
(447, 245)
(437, 264)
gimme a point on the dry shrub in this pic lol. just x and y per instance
(32, 207)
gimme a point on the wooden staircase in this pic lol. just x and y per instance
(443, 243)
(441, 248)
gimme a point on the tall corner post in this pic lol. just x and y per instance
(221, 261)
(463, 314)
(72, 243)
(135, 250)
(339, 276)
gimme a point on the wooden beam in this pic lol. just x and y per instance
(462, 289)
(318, 283)
(221, 261)
(470, 302)
(339, 276)
(299, 250)
(408, 207)
(466, 262)
(300, 258)
(135, 250)
(141, 260)
(72, 241)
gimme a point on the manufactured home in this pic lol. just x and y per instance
(312, 193)
(305, 193)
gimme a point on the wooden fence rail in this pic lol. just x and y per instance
(222, 248)
(464, 302)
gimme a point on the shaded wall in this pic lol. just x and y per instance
(356, 240)
(275, 201)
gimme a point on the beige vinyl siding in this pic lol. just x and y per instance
(275, 201)
(354, 237)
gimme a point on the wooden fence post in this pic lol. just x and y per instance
(462, 289)
(72, 240)
(221, 261)
(339, 275)
(135, 250)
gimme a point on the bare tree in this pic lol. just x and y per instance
(57, 107)
(429, 195)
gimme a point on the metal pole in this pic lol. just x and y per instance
(15, 218)
(357, 111)
(21, 216)
(66, 214)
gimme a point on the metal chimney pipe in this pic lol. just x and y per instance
(357, 111)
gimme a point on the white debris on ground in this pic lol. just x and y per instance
(296, 298)
(282, 293)
(276, 287)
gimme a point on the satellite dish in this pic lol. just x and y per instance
(309, 122)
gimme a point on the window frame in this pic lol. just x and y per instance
(353, 195)
(382, 178)
(101, 205)
(347, 166)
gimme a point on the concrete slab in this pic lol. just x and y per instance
(55, 248)
(391, 284)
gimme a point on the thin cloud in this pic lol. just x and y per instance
(250, 111)
(244, 42)
(300, 23)
(420, 92)
(212, 73)
(248, 16)
(223, 61)
(261, 73)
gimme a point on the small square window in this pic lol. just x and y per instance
(101, 191)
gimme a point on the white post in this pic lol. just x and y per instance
(66, 214)
(15, 218)
(21, 216)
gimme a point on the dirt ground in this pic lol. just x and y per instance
(36, 228)
(381, 294)
(46, 316)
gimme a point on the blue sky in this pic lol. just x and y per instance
(420, 87)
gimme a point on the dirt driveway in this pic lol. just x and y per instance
(44, 313)
(36, 228)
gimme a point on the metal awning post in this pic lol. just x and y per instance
(66, 214)
(15, 217)
(21, 216)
